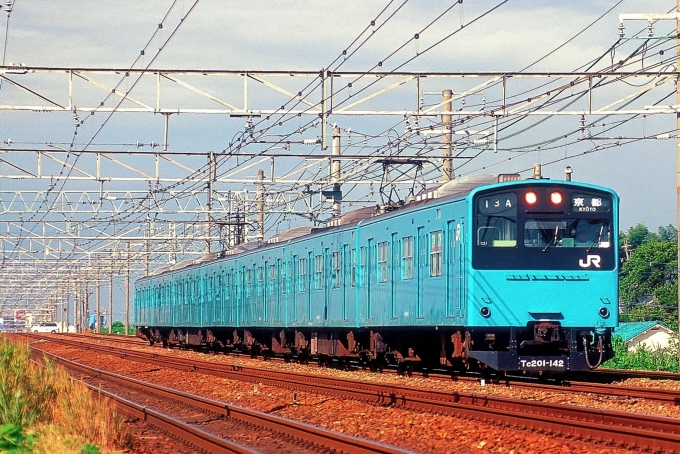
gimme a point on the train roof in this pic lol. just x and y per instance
(459, 187)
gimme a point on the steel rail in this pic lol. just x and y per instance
(323, 438)
(620, 428)
(660, 395)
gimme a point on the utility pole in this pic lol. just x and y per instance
(97, 309)
(127, 289)
(259, 197)
(650, 18)
(335, 173)
(677, 138)
(111, 301)
(447, 167)
(208, 208)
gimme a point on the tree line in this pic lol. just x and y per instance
(649, 275)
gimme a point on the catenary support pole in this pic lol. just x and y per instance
(447, 172)
(677, 138)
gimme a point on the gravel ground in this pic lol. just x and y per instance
(421, 432)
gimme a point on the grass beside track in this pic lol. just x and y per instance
(43, 410)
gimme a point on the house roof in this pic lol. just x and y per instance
(630, 330)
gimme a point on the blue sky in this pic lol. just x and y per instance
(533, 35)
(307, 35)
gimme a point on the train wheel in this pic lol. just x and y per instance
(323, 361)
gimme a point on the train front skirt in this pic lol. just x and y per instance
(585, 350)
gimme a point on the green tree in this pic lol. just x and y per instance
(633, 238)
(668, 233)
(648, 282)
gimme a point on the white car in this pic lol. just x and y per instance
(46, 327)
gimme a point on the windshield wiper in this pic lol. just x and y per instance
(596, 240)
(553, 240)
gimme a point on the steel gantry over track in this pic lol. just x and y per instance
(77, 213)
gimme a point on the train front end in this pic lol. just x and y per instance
(542, 281)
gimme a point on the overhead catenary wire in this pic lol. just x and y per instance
(236, 147)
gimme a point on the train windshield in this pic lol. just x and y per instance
(544, 227)
(583, 233)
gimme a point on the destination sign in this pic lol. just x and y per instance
(588, 203)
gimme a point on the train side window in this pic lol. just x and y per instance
(318, 272)
(407, 257)
(284, 278)
(354, 266)
(302, 282)
(436, 253)
(272, 278)
(335, 278)
(383, 257)
(362, 268)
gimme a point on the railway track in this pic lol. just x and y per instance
(659, 395)
(595, 376)
(279, 434)
(617, 428)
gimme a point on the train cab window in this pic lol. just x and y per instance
(497, 221)
(591, 233)
(567, 233)
(543, 232)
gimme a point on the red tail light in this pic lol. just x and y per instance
(530, 198)
(556, 198)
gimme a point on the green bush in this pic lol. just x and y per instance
(643, 358)
(14, 440)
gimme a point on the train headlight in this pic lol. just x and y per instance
(530, 198)
(485, 311)
(604, 312)
(556, 198)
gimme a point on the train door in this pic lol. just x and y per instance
(183, 302)
(393, 264)
(263, 295)
(193, 295)
(228, 302)
(327, 265)
(279, 285)
(462, 282)
(288, 291)
(420, 270)
(209, 314)
(239, 291)
(310, 285)
(295, 288)
(370, 260)
(451, 269)
(345, 279)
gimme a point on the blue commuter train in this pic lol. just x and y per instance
(482, 272)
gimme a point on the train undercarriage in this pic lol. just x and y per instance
(538, 348)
